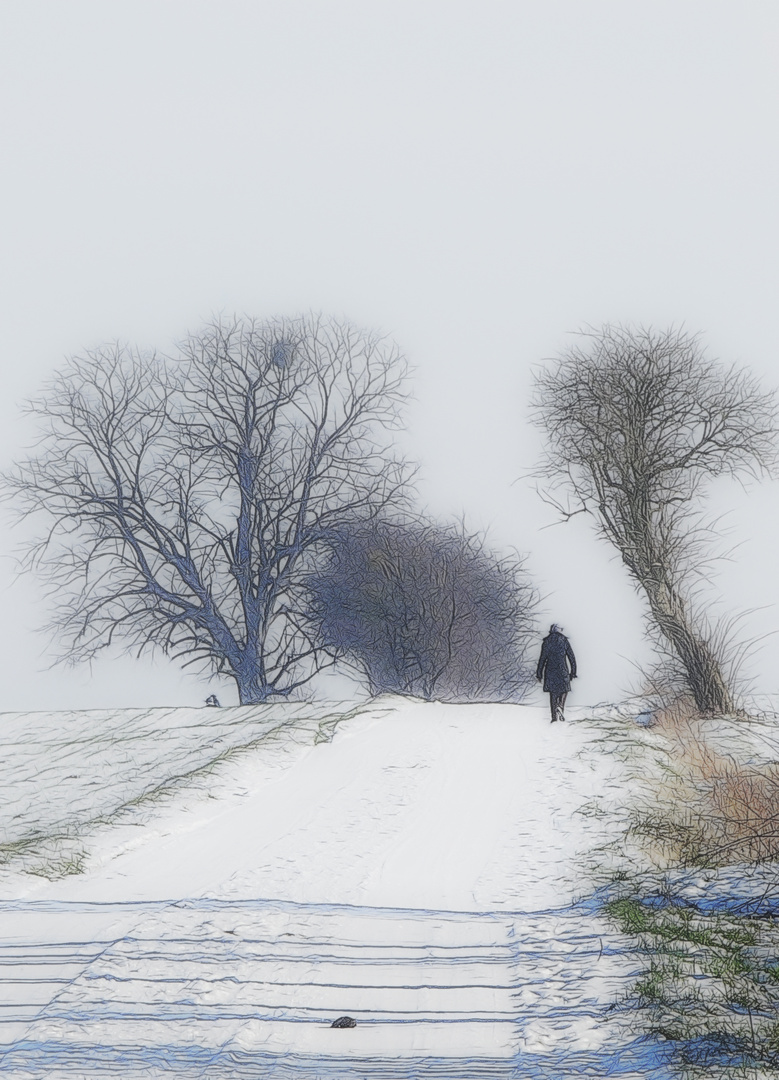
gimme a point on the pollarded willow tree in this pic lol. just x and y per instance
(186, 498)
(637, 422)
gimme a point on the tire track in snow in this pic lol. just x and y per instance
(250, 989)
(408, 820)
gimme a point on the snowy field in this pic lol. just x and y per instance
(201, 893)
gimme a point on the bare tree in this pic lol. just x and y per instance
(426, 609)
(637, 422)
(186, 498)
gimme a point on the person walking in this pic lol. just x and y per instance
(553, 667)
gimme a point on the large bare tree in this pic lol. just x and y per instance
(186, 497)
(637, 421)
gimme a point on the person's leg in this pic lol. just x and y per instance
(554, 704)
(560, 706)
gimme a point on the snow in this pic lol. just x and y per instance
(413, 865)
(60, 772)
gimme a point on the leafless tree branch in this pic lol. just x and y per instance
(637, 422)
(187, 497)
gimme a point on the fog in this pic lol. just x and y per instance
(479, 180)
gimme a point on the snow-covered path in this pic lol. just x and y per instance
(414, 867)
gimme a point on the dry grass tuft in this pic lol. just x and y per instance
(710, 808)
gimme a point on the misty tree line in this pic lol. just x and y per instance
(242, 507)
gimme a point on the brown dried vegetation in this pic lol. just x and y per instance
(714, 806)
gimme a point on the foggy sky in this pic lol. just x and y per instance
(479, 179)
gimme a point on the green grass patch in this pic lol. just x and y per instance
(711, 986)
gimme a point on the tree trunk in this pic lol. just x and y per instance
(252, 687)
(704, 672)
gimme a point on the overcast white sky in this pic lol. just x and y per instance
(477, 178)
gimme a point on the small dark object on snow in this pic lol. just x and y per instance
(344, 1021)
(213, 701)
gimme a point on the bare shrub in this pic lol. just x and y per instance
(426, 609)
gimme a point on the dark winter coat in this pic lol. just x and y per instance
(552, 664)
